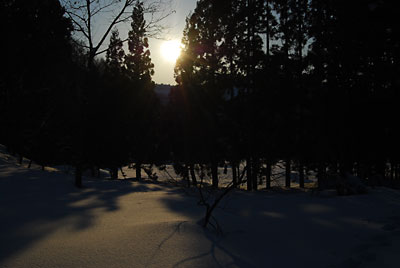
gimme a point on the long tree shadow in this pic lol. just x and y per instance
(263, 228)
(216, 245)
(34, 204)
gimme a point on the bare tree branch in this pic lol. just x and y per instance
(210, 206)
(80, 28)
(87, 15)
(127, 4)
(106, 49)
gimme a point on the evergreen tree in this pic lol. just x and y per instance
(115, 54)
(139, 70)
(36, 60)
(138, 61)
(201, 72)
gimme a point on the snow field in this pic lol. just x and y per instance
(46, 222)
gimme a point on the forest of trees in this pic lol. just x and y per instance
(311, 83)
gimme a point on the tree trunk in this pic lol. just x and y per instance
(249, 175)
(30, 164)
(21, 158)
(301, 175)
(392, 168)
(138, 170)
(268, 175)
(186, 174)
(95, 172)
(381, 172)
(78, 176)
(344, 168)
(287, 173)
(267, 35)
(214, 174)
(193, 175)
(321, 176)
(254, 174)
(114, 173)
(234, 173)
(238, 173)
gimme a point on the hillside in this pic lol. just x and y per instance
(162, 92)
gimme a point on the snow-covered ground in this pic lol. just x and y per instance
(46, 222)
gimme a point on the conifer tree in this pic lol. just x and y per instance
(139, 70)
(36, 56)
(138, 61)
(115, 53)
(199, 74)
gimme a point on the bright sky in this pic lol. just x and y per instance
(175, 23)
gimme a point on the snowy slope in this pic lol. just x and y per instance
(46, 222)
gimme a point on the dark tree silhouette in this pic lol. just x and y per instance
(139, 69)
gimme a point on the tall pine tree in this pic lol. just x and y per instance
(139, 70)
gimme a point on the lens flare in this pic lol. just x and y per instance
(170, 50)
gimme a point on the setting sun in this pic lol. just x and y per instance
(170, 50)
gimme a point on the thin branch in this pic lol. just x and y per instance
(78, 25)
(83, 12)
(126, 4)
(101, 9)
(108, 48)
(79, 44)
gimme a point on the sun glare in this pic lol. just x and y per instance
(170, 50)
